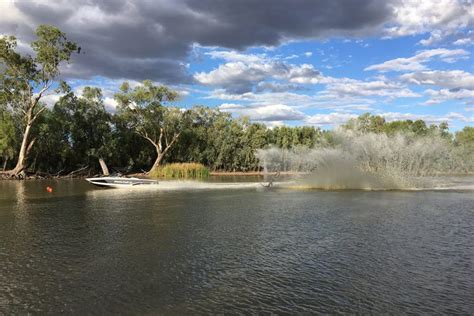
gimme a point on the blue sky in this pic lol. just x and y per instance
(278, 62)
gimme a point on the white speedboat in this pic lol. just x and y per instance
(120, 182)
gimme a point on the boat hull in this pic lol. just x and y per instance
(118, 182)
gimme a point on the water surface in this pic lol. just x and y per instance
(85, 250)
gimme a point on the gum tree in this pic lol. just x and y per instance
(143, 110)
(25, 80)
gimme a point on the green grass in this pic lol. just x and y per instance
(180, 171)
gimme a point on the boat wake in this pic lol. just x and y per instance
(438, 184)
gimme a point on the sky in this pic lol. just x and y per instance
(279, 62)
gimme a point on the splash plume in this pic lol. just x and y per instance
(354, 160)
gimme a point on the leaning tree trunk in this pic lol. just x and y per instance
(26, 146)
(160, 149)
(103, 166)
(158, 160)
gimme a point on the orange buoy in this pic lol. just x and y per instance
(49, 189)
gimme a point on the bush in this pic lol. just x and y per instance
(180, 170)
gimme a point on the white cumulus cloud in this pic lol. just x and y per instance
(452, 79)
(266, 112)
(417, 62)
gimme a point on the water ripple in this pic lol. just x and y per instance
(237, 251)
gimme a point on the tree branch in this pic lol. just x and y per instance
(145, 135)
(162, 131)
(30, 146)
(45, 88)
(175, 138)
(37, 114)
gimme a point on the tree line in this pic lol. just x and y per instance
(145, 131)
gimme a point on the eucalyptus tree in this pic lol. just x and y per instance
(142, 108)
(86, 126)
(25, 80)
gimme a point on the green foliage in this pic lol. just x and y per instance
(465, 143)
(78, 130)
(367, 123)
(86, 125)
(24, 80)
(465, 137)
(180, 170)
(288, 137)
(51, 48)
(8, 136)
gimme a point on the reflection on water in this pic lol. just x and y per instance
(249, 250)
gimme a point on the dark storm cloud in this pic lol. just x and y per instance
(151, 39)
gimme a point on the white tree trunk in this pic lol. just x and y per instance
(25, 146)
(105, 170)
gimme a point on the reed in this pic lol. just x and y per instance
(180, 171)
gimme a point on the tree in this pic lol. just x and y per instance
(86, 126)
(142, 107)
(465, 147)
(25, 80)
(465, 136)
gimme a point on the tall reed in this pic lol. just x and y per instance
(181, 171)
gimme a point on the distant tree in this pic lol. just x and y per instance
(464, 141)
(465, 136)
(366, 123)
(25, 80)
(254, 137)
(143, 109)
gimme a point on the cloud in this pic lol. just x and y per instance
(110, 104)
(234, 56)
(266, 112)
(443, 95)
(151, 39)
(343, 88)
(430, 119)
(336, 118)
(452, 79)
(442, 18)
(245, 76)
(465, 39)
(330, 119)
(275, 87)
(247, 72)
(236, 77)
(417, 62)
(51, 99)
(338, 94)
(304, 74)
(295, 100)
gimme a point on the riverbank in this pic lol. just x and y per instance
(42, 176)
(235, 173)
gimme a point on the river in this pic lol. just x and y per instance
(86, 250)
